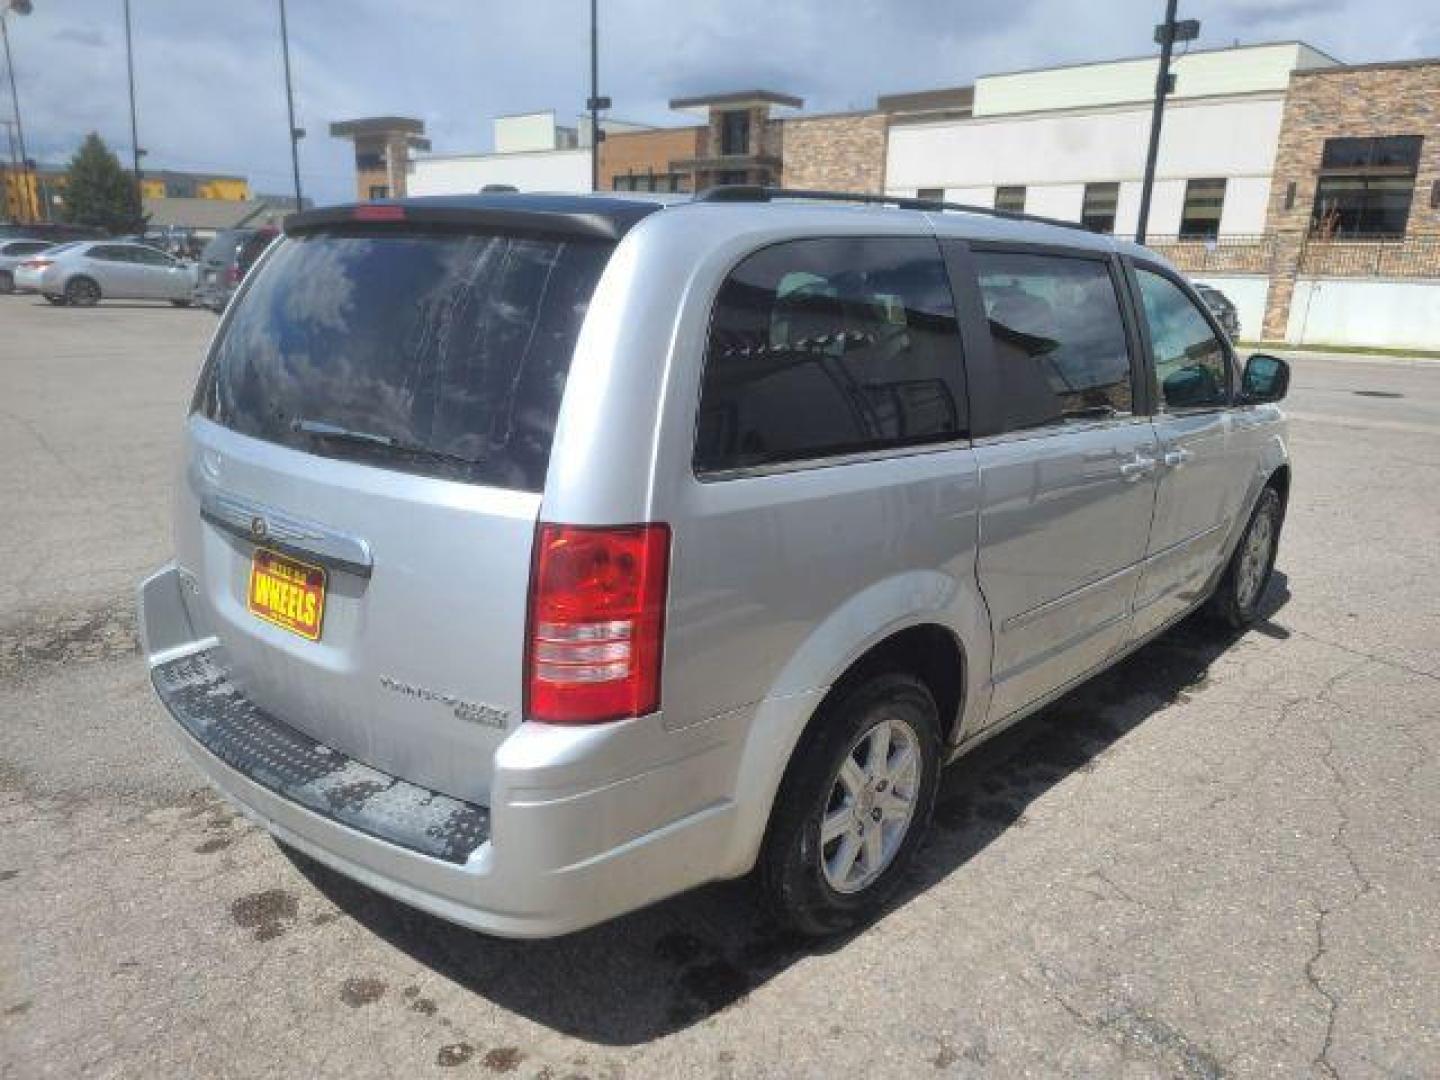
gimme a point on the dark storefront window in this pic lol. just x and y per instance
(1366, 186)
(735, 132)
(1010, 199)
(1204, 200)
(1097, 213)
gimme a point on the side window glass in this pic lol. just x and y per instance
(830, 346)
(1190, 363)
(1059, 339)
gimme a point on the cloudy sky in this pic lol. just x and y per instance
(210, 86)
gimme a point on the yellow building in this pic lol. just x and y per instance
(39, 194)
(19, 196)
(169, 184)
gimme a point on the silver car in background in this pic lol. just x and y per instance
(539, 557)
(12, 254)
(83, 273)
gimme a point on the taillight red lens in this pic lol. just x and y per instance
(232, 274)
(597, 622)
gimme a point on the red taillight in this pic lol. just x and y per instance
(232, 274)
(597, 622)
(378, 212)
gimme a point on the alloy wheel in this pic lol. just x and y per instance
(871, 805)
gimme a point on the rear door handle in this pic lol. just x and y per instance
(1177, 457)
(1140, 467)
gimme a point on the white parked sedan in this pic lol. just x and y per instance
(86, 272)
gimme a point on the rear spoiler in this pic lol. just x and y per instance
(509, 215)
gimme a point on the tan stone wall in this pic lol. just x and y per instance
(642, 151)
(836, 153)
(1399, 99)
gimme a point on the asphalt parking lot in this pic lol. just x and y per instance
(1221, 858)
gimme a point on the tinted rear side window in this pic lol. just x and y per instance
(442, 354)
(830, 346)
(1060, 348)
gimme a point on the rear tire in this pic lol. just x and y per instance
(854, 806)
(1236, 601)
(82, 292)
(7, 282)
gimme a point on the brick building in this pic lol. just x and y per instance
(1357, 175)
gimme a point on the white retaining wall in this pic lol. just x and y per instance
(1392, 313)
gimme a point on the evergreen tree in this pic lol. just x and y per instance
(99, 193)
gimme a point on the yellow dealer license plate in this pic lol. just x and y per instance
(287, 592)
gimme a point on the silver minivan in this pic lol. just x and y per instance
(539, 557)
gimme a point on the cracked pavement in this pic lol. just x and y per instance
(1221, 858)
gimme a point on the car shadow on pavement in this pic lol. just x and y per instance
(674, 964)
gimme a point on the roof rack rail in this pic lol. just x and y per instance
(746, 193)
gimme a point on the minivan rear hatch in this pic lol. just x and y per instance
(367, 447)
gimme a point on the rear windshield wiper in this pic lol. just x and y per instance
(322, 429)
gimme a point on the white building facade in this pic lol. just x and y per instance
(532, 153)
(1070, 142)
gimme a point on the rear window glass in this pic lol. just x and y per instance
(440, 354)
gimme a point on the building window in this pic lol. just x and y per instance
(379, 191)
(1010, 199)
(931, 194)
(735, 132)
(1097, 212)
(367, 160)
(727, 177)
(1366, 186)
(1204, 199)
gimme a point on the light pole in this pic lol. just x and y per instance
(296, 134)
(135, 150)
(1167, 33)
(19, 7)
(596, 102)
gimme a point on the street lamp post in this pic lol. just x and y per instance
(596, 102)
(1167, 33)
(19, 7)
(135, 150)
(296, 134)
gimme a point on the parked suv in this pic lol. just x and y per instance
(538, 557)
(1223, 309)
(225, 262)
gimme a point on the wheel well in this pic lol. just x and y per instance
(1280, 481)
(930, 653)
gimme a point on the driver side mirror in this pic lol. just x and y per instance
(1266, 379)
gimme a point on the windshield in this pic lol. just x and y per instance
(444, 354)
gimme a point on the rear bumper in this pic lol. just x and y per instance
(584, 823)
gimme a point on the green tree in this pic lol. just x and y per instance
(99, 194)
